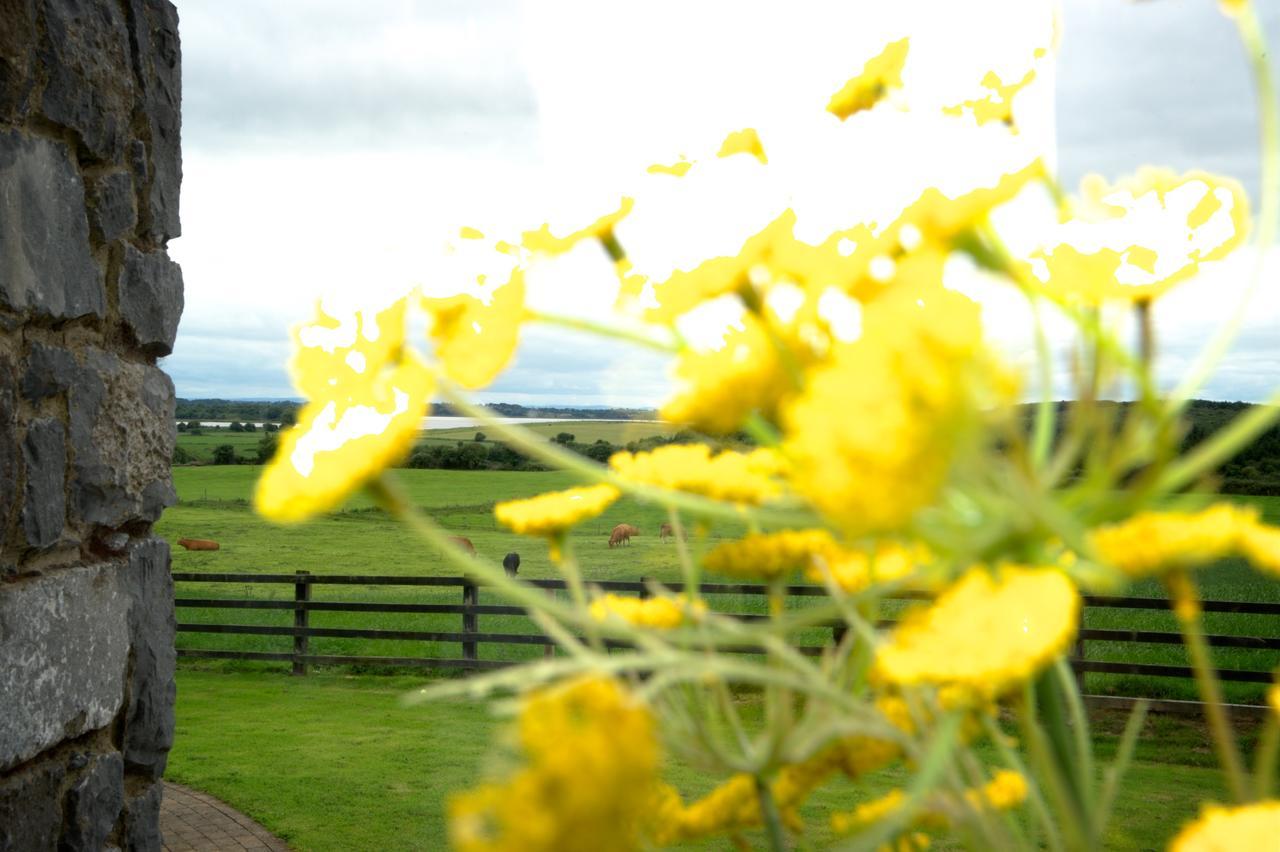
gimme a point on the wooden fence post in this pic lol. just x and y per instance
(470, 597)
(301, 595)
(644, 588)
(1080, 651)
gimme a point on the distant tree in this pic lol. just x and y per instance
(289, 417)
(599, 451)
(249, 427)
(565, 438)
(181, 455)
(270, 427)
(224, 454)
(182, 427)
(267, 446)
(237, 426)
(480, 437)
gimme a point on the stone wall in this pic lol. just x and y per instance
(90, 166)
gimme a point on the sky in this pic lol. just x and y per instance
(330, 149)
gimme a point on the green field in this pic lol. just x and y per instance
(201, 446)
(337, 763)
(360, 540)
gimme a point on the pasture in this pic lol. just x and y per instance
(336, 763)
(362, 540)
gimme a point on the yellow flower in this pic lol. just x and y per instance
(984, 634)
(868, 814)
(1233, 8)
(1260, 544)
(658, 613)
(716, 390)
(679, 168)
(367, 397)
(546, 242)
(997, 106)
(590, 773)
(745, 141)
(873, 434)
(552, 513)
(474, 341)
(740, 477)
(1005, 791)
(768, 556)
(856, 570)
(1220, 829)
(1102, 253)
(882, 73)
(1273, 698)
(1154, 542)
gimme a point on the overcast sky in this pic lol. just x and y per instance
(329, 147)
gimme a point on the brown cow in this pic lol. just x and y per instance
(622, 534)
(664, 531)
(198, 544)
(463, 543)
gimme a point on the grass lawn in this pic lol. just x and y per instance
(360, 540)
(336, 762)
(201, 446)
(620, 432)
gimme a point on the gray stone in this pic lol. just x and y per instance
(50, 370)
(112, 207)
(45, 264)
(153, 30)
(31, 808)
(94, 804)
(17, 37)
(64, 648)
(148, 732)
(142, 821)
(8, 447)
(151, 299)
(90, 87)
(44, 508)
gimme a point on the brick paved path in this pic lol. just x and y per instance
(191, 821)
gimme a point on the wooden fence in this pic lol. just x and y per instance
(470, 637)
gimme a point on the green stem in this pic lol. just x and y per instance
(1015, 762)
(605, 329)
(1046, 408)
(770, 816)
(1264, 772)
(1186, 607)
(568, 565)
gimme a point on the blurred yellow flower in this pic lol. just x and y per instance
(745, 141)
(1005, 791)
(679, 168)
(997, 106)
(874, 432)
(658, 613)
(367, 397)
(882, 73)
(474, 341)
(591, 760)
(1219, 829)
(552, 513)
(739, 477)
(856, 570)
(985, 634)
(1154, 542)
(1232, 8)
(545, 241)
(1106, 251)
(768, 556)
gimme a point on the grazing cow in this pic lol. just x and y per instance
(463, 543)
(511, 563)
(198, 544)
(622, 534)
(664, 531)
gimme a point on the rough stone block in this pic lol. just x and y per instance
(49, 371)
(8, 446)
(112, 207)
(122, 435)
(142, 821)
(64, 647)
(31, 808)
(16, 39)
(44, 508)
(86, 54)
(151, 298)
(153, 29)
(45, 264)
(148, 732)
(93, 806)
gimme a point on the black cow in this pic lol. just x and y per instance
(511, 562)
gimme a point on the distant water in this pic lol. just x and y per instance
(454, 422)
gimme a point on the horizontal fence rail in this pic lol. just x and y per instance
(470, 637)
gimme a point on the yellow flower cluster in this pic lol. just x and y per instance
(1005, 791)
(658, 613)
(856, 570)
(985, 634)
(552, 513)
(745, 141)
(997, 106)
(366, 395)
(1255, 826)
(1152, 543)
(545, 241)
(882, 73)
(591, 761)
(739, 477)
(474, 341)
(768, 556)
